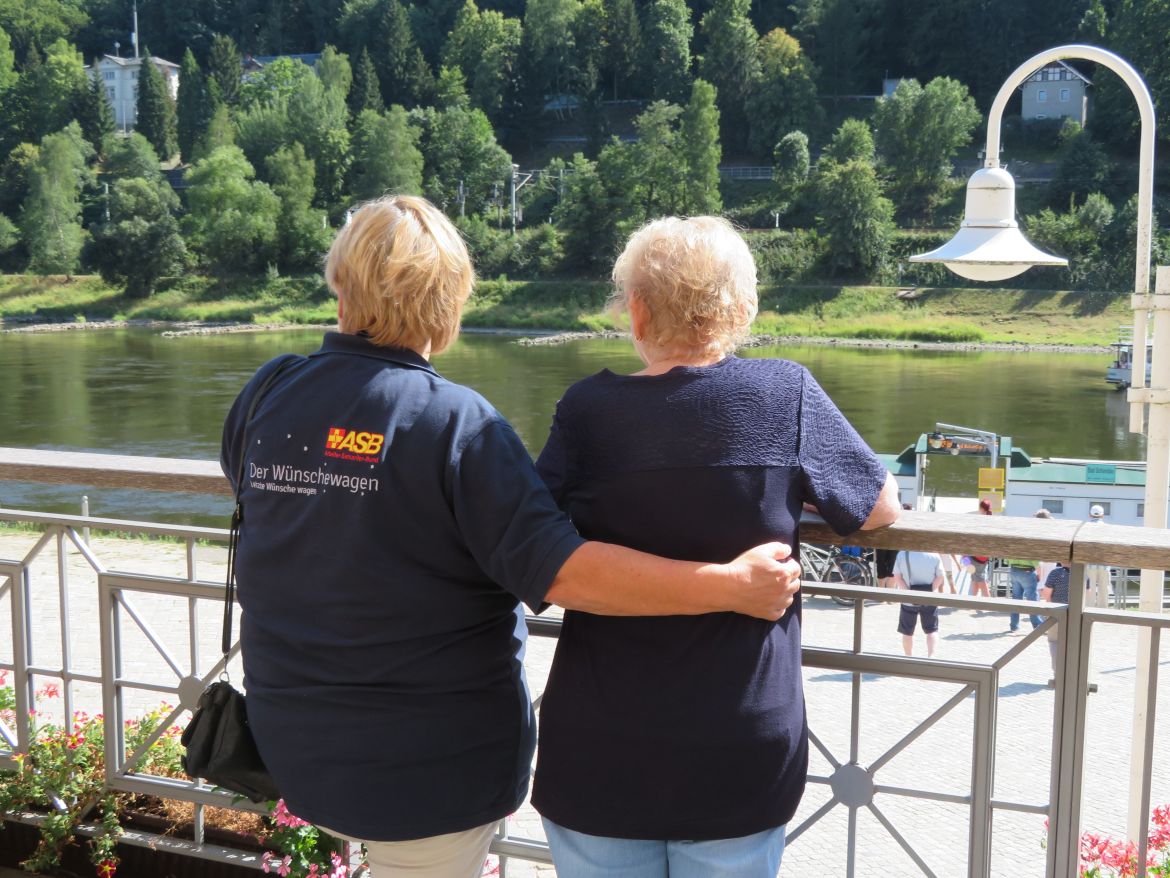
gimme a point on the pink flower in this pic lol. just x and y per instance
(340, 870)
(266, 861)
(285, 866)
(283, 817)
(50, 690)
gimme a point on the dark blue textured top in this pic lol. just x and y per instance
(689, 727)
(392, 521)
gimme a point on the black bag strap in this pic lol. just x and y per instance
(229, 596)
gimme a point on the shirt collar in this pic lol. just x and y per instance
(357, 345)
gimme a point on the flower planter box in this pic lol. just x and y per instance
(143, 855)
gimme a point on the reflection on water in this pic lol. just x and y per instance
(136, 392)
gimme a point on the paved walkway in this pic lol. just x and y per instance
(939, 761)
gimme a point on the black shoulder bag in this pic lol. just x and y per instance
(218, 740)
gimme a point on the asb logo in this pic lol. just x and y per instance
(358, 442)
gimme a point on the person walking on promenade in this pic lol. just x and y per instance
(1024, 586)
(1055, 590)
(394, 525)
(918, 571)
(979, 562)
(673, 746)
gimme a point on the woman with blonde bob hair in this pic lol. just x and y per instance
(395, 524)
(677, 746)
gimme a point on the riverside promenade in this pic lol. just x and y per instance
(938, 762)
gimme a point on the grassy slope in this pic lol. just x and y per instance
(988, 315)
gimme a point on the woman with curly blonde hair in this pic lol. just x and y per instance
(677, 746)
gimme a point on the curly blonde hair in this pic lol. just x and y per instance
(696, 278)
(402, 273)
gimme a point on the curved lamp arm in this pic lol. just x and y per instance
(1145, 205)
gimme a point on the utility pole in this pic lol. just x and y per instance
(462, 198)
(512, 195)
(134, 35)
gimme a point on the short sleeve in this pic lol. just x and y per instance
(841, 475)
(508, 518)
(552, 464)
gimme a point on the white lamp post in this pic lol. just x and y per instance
(989, 246)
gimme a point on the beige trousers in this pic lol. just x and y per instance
(454, 855)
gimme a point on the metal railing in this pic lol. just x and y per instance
(157, 638)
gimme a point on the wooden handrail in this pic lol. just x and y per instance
(995, 535)
(112, 471)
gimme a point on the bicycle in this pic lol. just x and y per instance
(830, 564)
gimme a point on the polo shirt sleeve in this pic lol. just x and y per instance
(507, 517)
(841, 475)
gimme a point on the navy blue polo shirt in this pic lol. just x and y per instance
(393, 523)
(689, 727)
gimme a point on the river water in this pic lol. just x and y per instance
(135, 391)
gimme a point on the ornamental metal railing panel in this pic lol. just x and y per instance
(103, 627)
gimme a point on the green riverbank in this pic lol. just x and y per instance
(972, 316)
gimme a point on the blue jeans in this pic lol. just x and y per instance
(1023, 588)
(577, 855)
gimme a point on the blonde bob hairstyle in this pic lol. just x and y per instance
(402, 274)
(696, 278)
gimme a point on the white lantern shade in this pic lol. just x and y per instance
(989, 245)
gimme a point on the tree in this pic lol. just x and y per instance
(587, 218)
(365, 94)
(386, 158)
(232, 219)
(549, 45)
(842, 38)
(403, 72)
(221, 131)
(917, 131)
(194, 109)
(784, 96)
(156, 110)
(666, 49)
(623, 42)
(856, 216)
(701, 151)
(40, 22)
(276, 81)
(9, 236)
(93, 112)
(317, 117)
(51, 90)
(1081, 169)
(140, 242)
(7, 63)
(790, 164)
(51, 219)
(853, 141)
(226, 67)
(459, 146)
(14, 176)
(302, 232)
(1079, 235)
(731, 63)
(129, 157)
(335, 72)
(261, 130)
(485, 46)
(654, 169)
